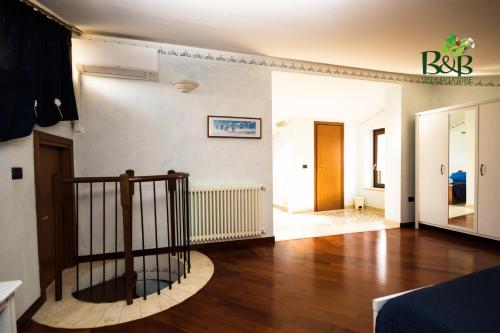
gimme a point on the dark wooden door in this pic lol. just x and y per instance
(329, 166)
(53, 155)
(50, 165)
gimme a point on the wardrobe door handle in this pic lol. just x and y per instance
(481, 170)
(442, 167)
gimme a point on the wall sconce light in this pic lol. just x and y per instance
(184, 86)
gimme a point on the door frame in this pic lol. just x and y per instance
(66, 145)
(316, 123)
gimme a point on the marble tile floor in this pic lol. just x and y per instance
(290, 226)
(72, 313)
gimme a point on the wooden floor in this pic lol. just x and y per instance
(465, 221)
(315, 285)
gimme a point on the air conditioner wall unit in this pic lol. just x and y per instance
(99, 58)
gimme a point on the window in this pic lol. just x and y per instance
(379, 158)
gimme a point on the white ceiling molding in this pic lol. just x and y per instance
(290, 65)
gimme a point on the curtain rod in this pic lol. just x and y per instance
(51, 16)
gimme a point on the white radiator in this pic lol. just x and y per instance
(225, 212)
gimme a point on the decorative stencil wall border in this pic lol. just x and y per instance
(290, 65)
(333, 70)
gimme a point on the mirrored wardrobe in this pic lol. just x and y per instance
(461, 168)
(458, 168)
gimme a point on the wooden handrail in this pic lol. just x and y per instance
(133, 179)
(80, 180)
(172, 176)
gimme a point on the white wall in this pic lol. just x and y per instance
(296, 148)
(280, 167)
(414, 99)
(151, 128)
(302, 99)
(388, 118)
(394, 133)
(18, 236)
(374, 197)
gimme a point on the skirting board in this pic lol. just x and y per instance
(26, 316)
(241, 243)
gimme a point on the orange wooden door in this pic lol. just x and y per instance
(329, 166)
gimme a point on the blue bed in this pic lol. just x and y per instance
(458, 180)
(468, 304)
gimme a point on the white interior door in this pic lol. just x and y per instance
(432, 187)
(489, 170)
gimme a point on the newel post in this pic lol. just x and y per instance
(57, 203)
(172, 187)
(126, 192)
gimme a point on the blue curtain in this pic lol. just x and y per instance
(35, 71)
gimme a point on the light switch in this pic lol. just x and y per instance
(17, 173)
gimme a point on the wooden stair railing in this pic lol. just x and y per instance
(177, 225)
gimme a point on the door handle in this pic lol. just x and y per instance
(481, 170)
(45, 218)
(442, 169)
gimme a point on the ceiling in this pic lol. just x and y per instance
(384, 35)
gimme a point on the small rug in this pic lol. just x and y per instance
(455, 211)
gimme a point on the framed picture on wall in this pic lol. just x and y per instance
(234, 127)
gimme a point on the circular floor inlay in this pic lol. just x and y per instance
(72, 313)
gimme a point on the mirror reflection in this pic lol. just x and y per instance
(461, 169)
